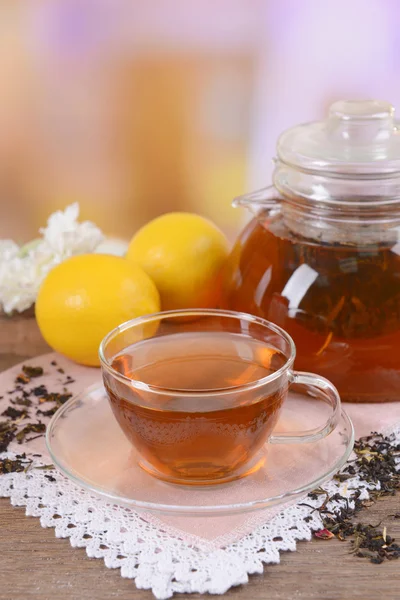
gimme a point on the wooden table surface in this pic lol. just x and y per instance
(36, 565)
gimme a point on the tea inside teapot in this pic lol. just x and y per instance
(321, 257)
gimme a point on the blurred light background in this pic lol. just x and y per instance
(138, 107)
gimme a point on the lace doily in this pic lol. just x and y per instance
(157, 557)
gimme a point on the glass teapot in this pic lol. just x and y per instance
(321, 257)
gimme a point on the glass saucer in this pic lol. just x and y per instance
(87, 445)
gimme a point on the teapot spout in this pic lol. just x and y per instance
(266, 198)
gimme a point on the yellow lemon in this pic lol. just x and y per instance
(183, 253)
(86, 296)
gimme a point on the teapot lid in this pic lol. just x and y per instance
(357, 138)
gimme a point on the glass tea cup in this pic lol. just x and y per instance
(198, 392)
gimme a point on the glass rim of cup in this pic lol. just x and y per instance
(193, 312)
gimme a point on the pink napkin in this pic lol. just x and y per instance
(210, 532)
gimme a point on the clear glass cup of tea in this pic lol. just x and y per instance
(198, 392)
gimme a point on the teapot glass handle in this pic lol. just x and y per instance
(318, 387)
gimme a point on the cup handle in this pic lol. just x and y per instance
(318, 387)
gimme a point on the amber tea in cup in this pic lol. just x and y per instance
(199, 396)
(205, 436)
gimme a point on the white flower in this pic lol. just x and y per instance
(22, 270)
(8, 249)
(65, 237)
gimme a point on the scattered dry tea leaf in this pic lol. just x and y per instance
(55, 397)
(40, 390)
(47, 413)
(13, 466)
(7, 434)
(32, 372)
(22, 402)
(14, 413)
(30, 428)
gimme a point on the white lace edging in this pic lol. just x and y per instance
(158, 558)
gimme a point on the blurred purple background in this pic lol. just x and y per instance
(137, 107)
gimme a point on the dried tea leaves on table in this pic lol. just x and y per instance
(376, 462)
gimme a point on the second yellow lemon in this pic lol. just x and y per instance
(85, 297)
(183, 253)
